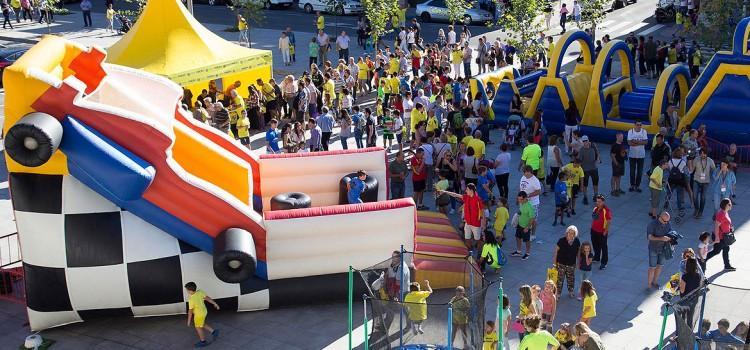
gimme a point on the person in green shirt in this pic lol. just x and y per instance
(656, 184)
(526, 221)
(313, 47)
(535, 338)
(531, 156)
(461, 305)
(490, 252)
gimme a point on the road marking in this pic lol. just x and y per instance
(651, 29)
(3, 185)
(614, 28)
(357, 338)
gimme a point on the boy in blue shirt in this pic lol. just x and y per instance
(561, 198)
(355, 186)
(483, 186)
(272, 137)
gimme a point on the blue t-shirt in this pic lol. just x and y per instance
(481, 191)
(561, 192)
(356, 186)
(272, 137)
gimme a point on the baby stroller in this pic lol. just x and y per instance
(514, 130)
(125, 23)
(670, 203)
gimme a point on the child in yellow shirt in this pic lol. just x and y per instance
(416, 305)
(490, 336)
(501, 218)
(589, 301)
(197, 313)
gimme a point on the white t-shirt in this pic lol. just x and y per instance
(428, 151)
(343, 42)
(637, 151)
(408, 106)
(503, 163)
(530, 185)
(451, 37)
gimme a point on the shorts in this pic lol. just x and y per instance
(655, 198)
(245, 140)
(524, 236)
(575, 190)
(199, 320)
(388, 136)
(472, 232)
(655, 257)
(618, 170)
(419, 185)
(562, 205)
(593, 174)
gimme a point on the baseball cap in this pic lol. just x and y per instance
(584, 138)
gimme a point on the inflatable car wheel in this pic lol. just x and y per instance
(234, 255)
(370, 193)
(33, 139)
(290, 200)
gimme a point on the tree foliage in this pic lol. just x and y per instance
(379, 13)
(251, 10)
(593, 13)
(716, 22)
(522, 24)
(456, 9)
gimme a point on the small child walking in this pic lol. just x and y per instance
(549, 303)
(589, 302)
(461, 307)
(416, 305)
(501, 219)
(490, 336)
(561, 198)
(705, 243)
(197, 313)
(585, 260)
(110, 14)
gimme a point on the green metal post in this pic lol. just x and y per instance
(500, 330)
(364, 302)
(351, 302)
(663, 326)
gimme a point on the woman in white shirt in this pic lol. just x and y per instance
(502, 170)
(284, 48)
(554, 161)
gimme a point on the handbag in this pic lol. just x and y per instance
(729, 238)
(474, 169)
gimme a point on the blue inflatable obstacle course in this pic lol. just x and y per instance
(497, 88)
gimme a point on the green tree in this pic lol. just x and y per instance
(593, 13)
(456, 10)
(716, 22)
(251, 10)
(379, 14)
(522, 23)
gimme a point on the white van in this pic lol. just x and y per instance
(336, 7)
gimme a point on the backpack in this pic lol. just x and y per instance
(675, 175)
(361, 123)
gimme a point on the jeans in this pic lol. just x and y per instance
(285, 55)
(397, 189)
(344, 54)
(87, 18)
(723, 248)
(358, 138)
(599, 243)
(502, 184)
(642, 65)
(467, 69)
(700, 196)
(680, 191)
(430, 168)
(636, 172)
(325, 139)
(344, 144)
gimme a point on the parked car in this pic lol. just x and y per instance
(267, 4)
(437, 10)
(336, 7)
(8, 57)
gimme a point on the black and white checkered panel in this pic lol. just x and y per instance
(84, 257)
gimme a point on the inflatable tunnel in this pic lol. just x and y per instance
(120, 198)
(720, 97)
(555, 91)
(497, 89)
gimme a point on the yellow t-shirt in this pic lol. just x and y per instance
(330, 88)
(523, 310)
(268, 92)
(477, 145)
(321, 23)
(657, 176)
(453, 141)
(379, 109)
(466, 141)
(416, 53)
(395, 85)
(386, 86)
(501, 218)
(431, 124)
(394, 66)
(363, 69)
(242, 25)
(243, 127)
(590, 301)
(416, 117)
(574, 177)
(457, 56)
(416, 305)
(195, 303)
(489, 340)
(110, 14)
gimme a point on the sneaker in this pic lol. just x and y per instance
(516, 253)
(573, 212)
(201, 344)
(603, 267)
(621, 191)
(525, 257)
(215, 333)
(631, 189)
(421, 331)
(554, 223)
(730, 268)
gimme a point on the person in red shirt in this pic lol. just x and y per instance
(602, 217)
(473, 214)
(418, 178)
(722, 226)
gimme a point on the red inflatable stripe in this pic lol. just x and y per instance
(438, 234)
(431, 220)
(440, 265)
(428, 248)
(339, 209)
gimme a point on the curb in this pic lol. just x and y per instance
(19, 40)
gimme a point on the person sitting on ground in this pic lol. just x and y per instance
(491, 254)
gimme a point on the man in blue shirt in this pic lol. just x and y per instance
(355, 186)
(326, 122)
(722, 337)
(483, 186)
(315, 135)
(272, 137)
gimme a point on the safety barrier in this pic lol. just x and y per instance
(718, 150)
(12, 287)
(10, 250)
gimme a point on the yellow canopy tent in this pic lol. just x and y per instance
(167, 40)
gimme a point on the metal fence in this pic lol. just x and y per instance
(10, 250)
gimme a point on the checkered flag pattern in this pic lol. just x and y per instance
(84, 257)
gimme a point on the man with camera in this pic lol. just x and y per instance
(659, 241)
